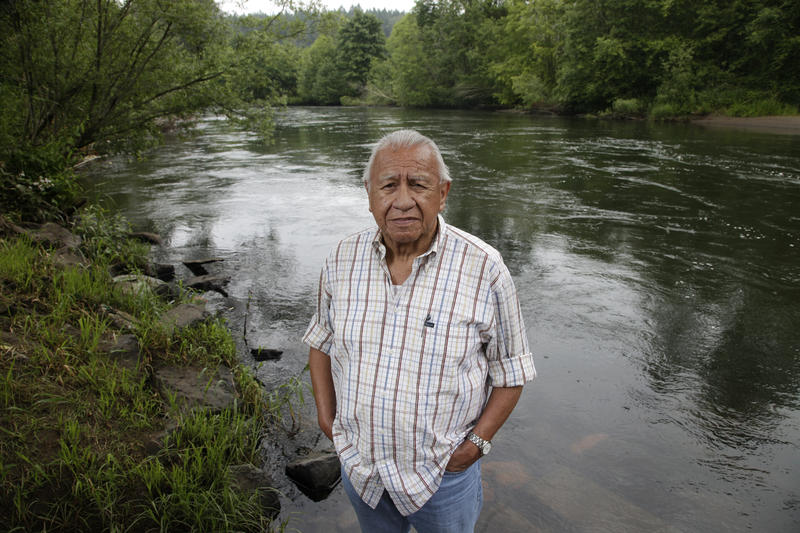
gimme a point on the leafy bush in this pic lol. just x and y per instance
(661, 111)
(104, 238)
(761, 107)
(628, 107)
(37, 183)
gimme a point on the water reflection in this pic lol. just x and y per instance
(659, 272)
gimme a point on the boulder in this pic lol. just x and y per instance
(54, 235)
(315, 474)
(196, 388)
(66, 257)
(248, 478)
(162, 271)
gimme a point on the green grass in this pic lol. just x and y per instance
(74, 423)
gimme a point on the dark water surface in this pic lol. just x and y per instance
(658, 268)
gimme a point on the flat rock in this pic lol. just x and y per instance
(195, 387)
(183, 315)
(122, 348)
(208, 283)
(248, 478)
(315, 474)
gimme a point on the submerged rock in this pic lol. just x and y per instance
(265, 354)
(197, 266)
(144, 236)
(209, 283)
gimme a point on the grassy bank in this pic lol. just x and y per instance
(77, 426)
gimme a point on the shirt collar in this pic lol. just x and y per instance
(433, 251)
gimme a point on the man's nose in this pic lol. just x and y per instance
(403, 200)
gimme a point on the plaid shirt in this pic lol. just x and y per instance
(412, 367)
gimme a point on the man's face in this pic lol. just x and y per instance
(405, 196)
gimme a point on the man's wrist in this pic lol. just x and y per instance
(485, 446)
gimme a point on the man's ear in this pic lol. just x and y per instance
(445, 189)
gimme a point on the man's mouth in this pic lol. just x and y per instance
(403, 221)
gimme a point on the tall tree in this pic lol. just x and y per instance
(361, 41)
(101, 70)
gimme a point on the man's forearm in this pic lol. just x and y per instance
(319, 365)
(502, 401)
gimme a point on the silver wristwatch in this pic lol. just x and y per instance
(484, 445)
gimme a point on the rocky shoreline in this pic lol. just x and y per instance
(314, 471)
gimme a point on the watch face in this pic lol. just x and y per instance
(487, 447)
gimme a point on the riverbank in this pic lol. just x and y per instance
(123, 404)
(786, 125)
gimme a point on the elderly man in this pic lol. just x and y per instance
(418, 352)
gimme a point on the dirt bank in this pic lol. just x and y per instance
(787, 125)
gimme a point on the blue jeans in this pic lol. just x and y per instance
(454, 508)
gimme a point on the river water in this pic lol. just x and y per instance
(658, 268)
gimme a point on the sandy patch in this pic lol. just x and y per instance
(787, 125)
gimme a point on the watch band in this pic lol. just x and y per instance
(483, 445)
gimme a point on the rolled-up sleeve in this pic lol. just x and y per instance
(510, 358)
(319, 334)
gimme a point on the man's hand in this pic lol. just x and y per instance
(500, 404)
(466, 454)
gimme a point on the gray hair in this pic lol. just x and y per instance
(407, 139)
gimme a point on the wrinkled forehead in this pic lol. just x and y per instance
(415, 161)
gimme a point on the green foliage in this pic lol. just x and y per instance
(82, 76)
(88, 71)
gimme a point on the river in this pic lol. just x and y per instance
(658, 268)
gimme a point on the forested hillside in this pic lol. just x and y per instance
(665, 58)
(82, 76)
